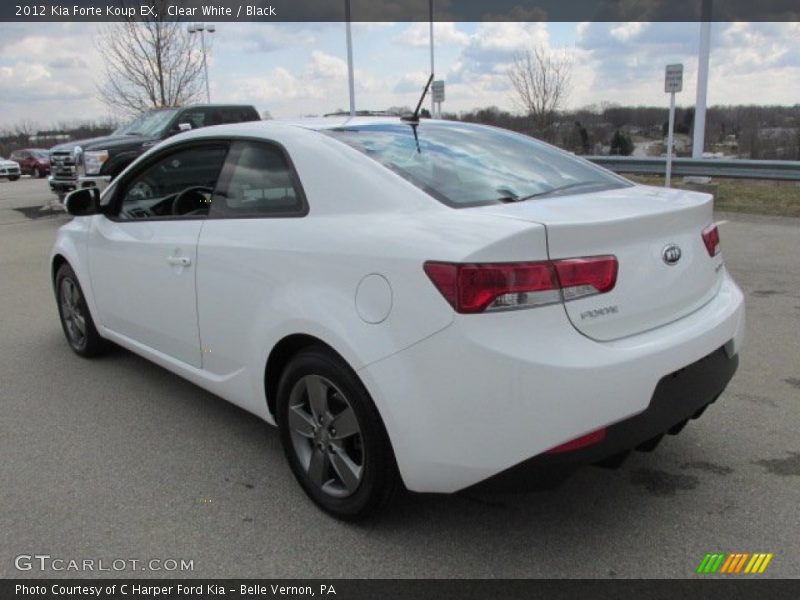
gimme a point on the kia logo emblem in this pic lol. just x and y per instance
(671, 254)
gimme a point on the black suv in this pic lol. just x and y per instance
(96, 161)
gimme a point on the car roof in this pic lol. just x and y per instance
(309, 123)
(193, 106)
(278, 129)
(345, 121)
(196, 106)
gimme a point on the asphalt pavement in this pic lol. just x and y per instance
(118, 459)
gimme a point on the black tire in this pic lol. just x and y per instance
(36, 173)
(13, 178)
(377, 479)
(73, 311)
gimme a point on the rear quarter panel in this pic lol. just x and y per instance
(262, 279)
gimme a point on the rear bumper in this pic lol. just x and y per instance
(492, 391)
(679, 397)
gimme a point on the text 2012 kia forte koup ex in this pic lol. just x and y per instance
(432, 304)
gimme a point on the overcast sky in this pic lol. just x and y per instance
(48, 71)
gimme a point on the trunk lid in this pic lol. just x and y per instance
(635, 224)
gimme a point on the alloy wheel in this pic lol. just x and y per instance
(326, 436)
(72, 312)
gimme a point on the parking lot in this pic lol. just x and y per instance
(119, 459)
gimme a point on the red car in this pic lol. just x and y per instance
(32, 161)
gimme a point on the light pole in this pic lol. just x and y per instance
(698, 141)
(350, 75)
(202, 28)
(433, 102)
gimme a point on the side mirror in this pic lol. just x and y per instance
(83, 202)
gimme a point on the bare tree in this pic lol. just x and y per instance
(25, 128)
(150, 63)
(541, 81)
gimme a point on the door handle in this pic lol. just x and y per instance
(179, 261)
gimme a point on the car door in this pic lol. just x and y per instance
(143, 252)
(254, 223)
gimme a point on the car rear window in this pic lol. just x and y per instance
(463, 165)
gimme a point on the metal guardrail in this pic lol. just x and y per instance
(782, 170)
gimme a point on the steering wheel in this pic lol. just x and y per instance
(193, 200)
(141, 190)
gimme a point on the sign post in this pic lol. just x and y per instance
(437, 94)
(673, 83)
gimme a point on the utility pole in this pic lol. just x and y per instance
(201, 28)
(699, 137)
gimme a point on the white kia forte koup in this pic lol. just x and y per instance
(435, 304)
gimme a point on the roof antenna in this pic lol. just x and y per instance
(415, 117)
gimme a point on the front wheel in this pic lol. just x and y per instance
(333, 436)
(36, 174)
(76, 320)
(13, 178)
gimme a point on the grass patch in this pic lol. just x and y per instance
(757, 196)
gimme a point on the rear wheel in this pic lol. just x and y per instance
(36, 172)
(76, 320)
(333, 436)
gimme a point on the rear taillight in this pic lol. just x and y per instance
(581, 277)
(485, 287)
(711, 239)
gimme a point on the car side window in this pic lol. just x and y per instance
(197, 118)
(259, 181)
(177, 185)
(235, 114)
(214, 116)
